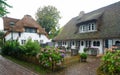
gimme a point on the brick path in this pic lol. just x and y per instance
(8, 67)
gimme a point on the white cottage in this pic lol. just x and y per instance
(93, 31)
(23, 29)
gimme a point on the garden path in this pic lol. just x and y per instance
(88, 68)
(8, 67)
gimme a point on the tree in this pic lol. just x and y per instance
(48, 17)
(1, 38)
(3, 10)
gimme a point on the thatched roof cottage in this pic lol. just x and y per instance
(95, 30)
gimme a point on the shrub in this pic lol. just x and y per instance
(83, 55)
(49, 57)
(31, 48)
(10, 48)
(86, 49)
(110, 63)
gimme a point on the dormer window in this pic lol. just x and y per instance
(30, 30)
(12, 24)
(88, 27)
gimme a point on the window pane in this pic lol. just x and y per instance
(98, 43)
(93, 27)
(82, 43)
(30, 30)
(94, 43)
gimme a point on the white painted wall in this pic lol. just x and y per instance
(114, 40)
(110, 43)
(99, 47)
(82, 46)
(26, 36)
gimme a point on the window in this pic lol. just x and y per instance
(41, 41)
(65, 43)
(23, 41)
(106, 43)
(88, 27)
(59, 43)
(96, 43)
(83, 28)
(36, 40)
(39, 35)
(88, 43)
(82, 43)
(117, 43)
(19, 34)
(73, 43)
(93, 26)
(30, 30)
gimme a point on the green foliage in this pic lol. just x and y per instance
(49, 57)
(48, 17)
(86, 49)
(111, 63)
(1, 38)
(10, 48)
(13, 48)
(3, 6)
(83, 55)
(1, 34)
(31, 48)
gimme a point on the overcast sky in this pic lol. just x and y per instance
(68, 8)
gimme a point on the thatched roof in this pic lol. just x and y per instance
(26, 21)
(108, 24)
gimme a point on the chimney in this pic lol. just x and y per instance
(81, 14)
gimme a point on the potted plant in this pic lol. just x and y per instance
(83, 57)
(86, 49)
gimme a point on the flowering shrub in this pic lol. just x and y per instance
(110, 63)
(49, 57)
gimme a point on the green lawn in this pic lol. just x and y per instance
(28, 65)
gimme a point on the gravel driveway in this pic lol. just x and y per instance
(88, 68)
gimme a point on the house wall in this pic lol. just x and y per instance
(114, 40)
(100, 48)
(82, 46)
(26, 36)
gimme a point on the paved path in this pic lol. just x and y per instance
(88, 68)
(8, 67)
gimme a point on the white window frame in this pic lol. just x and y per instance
(90, 27)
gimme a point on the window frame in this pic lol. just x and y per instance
(30, 30)
(88, 27)
(96, 43)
